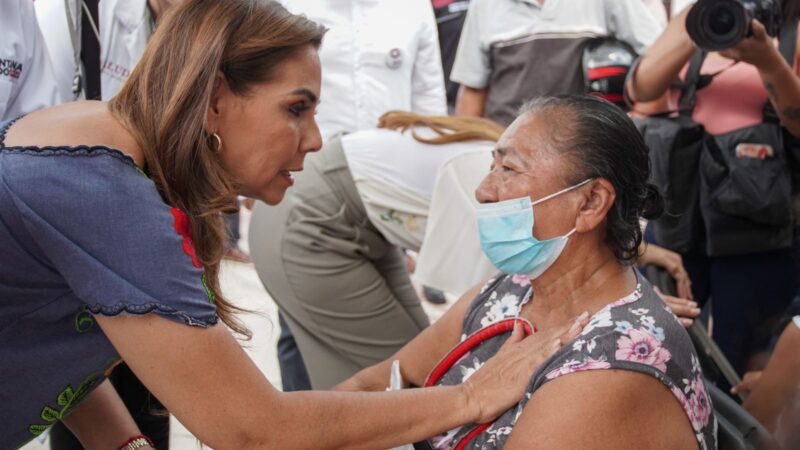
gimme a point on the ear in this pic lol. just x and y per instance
(216, 105)
(597, 202)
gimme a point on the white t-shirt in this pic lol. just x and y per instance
(378, 55)
(395, 176)
(451, 258)
(27, 80)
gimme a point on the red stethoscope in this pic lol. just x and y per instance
(466, 346)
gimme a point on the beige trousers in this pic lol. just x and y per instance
(343, 288)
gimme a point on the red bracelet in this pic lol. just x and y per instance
(135, 442)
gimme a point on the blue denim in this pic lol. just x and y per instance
(82, 232)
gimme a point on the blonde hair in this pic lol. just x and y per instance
(165, 101)
(448, 128)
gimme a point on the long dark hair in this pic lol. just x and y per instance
(164, 102)
(791, 10)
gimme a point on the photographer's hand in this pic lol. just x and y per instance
(757, 49)
(781, 81)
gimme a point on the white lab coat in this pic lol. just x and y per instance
(27, 81)
(125, 28)
(378, 55)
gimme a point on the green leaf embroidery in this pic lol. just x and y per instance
(66, 399)
(49, 414)
(37, 429)
(391, 216)
(209, 293)
(83, 321)
(66, 396)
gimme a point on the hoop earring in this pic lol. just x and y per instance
(219, 142)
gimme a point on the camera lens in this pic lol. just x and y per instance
(721, 21)
(718, 24)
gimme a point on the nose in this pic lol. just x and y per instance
(312, 141)
(487, 190)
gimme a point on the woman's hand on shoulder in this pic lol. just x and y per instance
(501, 381)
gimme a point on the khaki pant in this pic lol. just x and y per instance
(343, 288)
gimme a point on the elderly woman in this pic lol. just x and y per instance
(111, 236)
(560, 218)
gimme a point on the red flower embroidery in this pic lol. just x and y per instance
(184, 229)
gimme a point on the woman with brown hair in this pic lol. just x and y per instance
(111, 236)
(331, 254)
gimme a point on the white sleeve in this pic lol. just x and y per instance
(632, 22)
(471, 67)
(427, 79)
(796, 320)
(27, 81)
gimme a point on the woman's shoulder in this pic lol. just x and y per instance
(638, 332)
(83, 125)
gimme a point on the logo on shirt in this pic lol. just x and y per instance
(10, 68)
(394, 59)
(115, 70)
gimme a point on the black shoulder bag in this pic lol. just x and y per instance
(675, 145)
(745, 183)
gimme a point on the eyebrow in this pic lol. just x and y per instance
(502, 151)
(312, 97)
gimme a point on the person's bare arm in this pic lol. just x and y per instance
(782, 83)
(471, 101)
(418, 357)
(672, 262)
(102, 421)
(662, 62)
(207, 381)
(603, 409)
(778, 387)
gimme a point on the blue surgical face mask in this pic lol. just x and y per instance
(506, 233)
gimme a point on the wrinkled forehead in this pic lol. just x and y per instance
(533, 139)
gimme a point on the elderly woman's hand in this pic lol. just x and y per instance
(685, 310)
(671, 262)
(500, 383)
(757, 49)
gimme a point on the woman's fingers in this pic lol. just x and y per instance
(576, 328)
(517, 334)
(685, 310)
(501, 381)
(685, 288)
(749, 381)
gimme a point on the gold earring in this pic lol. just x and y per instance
(219, 142)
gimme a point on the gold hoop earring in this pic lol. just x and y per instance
(219, 142)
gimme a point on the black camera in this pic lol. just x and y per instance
(720, 24)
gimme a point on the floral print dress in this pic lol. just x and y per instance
(638, 333)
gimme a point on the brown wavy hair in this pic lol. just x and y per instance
(164, 105)
(448, 128)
